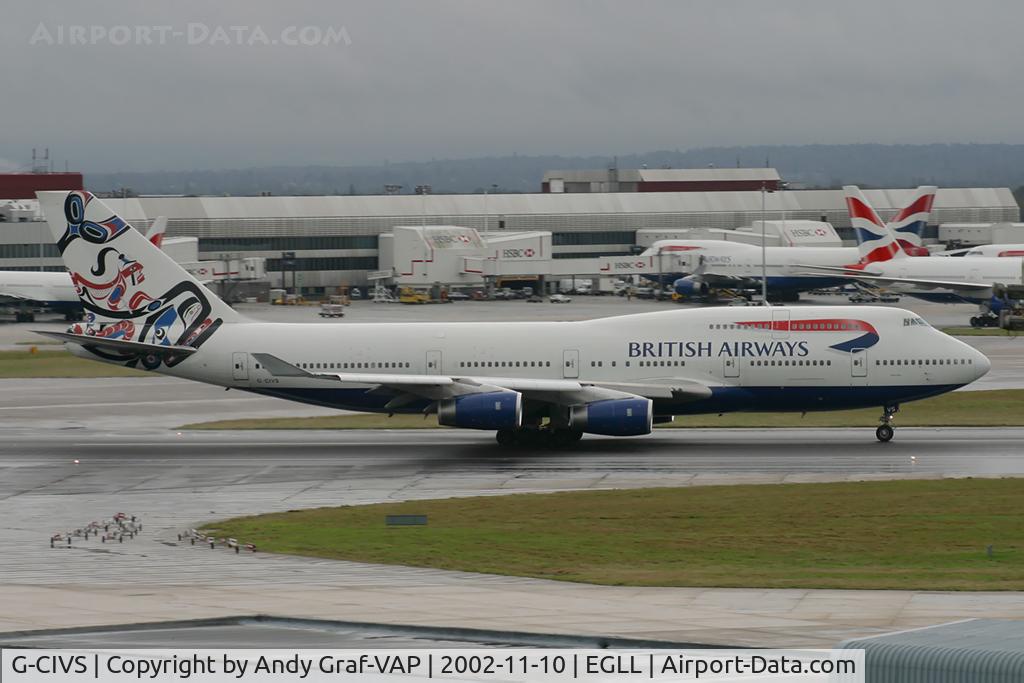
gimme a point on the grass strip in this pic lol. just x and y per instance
(919, 535)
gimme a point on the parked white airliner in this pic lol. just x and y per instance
(27, 289)
(717, 264)
(531, 382)
(933, 278)
(989, 250)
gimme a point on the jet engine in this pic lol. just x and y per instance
(614, 417)
(691, 286)
(491, 410)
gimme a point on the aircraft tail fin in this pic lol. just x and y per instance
(156, 231)
(875, 241)
(130, 289)
(909, 223)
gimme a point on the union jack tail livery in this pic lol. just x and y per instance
(909, 223)
(156, 231)
(875, 241)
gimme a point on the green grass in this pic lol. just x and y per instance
(52, 363)
(1002, 408)
(980, 332)
(922, 535)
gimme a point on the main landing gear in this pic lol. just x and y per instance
(538, 438)
(885, 431)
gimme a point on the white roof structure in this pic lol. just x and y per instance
(218, 216)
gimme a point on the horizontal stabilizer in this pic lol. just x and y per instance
(118, 345)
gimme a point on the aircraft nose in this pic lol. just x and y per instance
(981, 364)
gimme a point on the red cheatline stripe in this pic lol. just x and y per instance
(818, 325)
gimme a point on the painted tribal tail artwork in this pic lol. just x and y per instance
(130, 289)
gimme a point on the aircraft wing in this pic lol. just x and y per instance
(118, 345)
(727, 281)
(12, 297)
(923, 283)
(437, 387)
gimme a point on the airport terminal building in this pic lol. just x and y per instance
(333, 241)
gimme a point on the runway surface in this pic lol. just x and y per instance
(178, 481)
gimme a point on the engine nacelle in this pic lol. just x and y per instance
(614, 417)
(690, 286)
(995, 305)
(493, 410)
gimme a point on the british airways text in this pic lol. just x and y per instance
(706, 349)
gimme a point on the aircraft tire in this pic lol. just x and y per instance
(563, 438)
(506, 437)
(884, 433)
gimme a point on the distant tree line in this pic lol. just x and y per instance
(814, 166)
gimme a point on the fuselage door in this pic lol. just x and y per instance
(780, 323)
(570, 363)
(730, 366)
(859, 362)
(433, 362)
(239, 365)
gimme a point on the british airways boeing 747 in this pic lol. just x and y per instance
(530, 382)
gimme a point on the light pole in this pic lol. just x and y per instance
(423, 191)
(764, 249)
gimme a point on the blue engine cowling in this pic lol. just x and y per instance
(996, 304)
(690, 286)
(493, 410)
(614, 417)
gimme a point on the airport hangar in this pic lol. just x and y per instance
(325, 242)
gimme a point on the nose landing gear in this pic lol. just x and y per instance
(885, 431)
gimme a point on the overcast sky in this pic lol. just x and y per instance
(418, 79)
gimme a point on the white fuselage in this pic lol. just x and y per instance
(37, 286)
(757, 359)
(975, 269)
(995, 251)
(740, 260)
